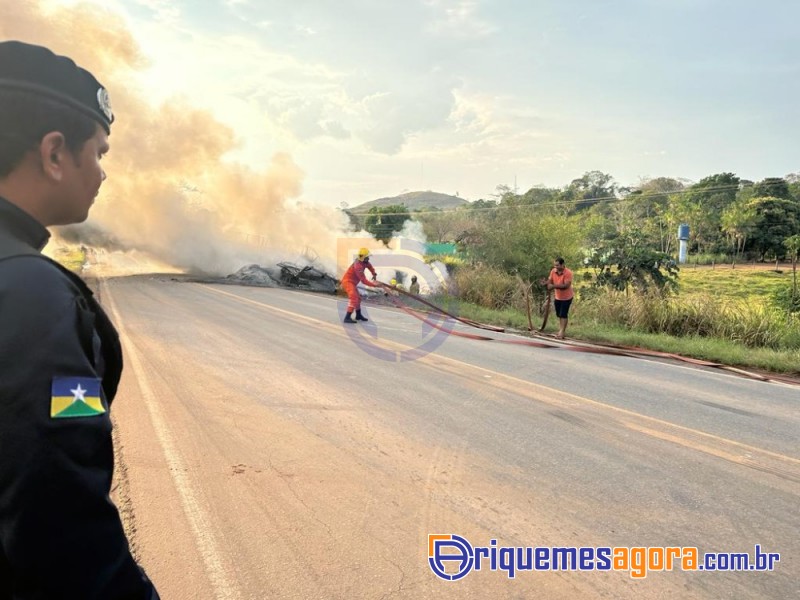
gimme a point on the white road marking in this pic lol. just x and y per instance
(205, 539)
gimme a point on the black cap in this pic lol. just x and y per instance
(37, 70)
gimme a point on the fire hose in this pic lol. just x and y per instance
(596, 348)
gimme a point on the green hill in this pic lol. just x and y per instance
(414, 201)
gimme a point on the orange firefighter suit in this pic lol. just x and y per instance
(352, 277)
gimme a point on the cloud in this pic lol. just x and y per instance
(458, 18)
(392, 117)
(305, 30)
(472, 112)
(166, 11)
(304, 119)
(335, 130)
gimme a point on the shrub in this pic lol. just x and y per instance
(784, 300)
(707, 258)
(488, 287)
(451, 263)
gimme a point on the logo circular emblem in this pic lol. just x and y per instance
(104, 102)
(408, 256)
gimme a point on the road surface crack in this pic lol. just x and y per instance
(287, 478)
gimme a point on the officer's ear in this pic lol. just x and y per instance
(53, 154)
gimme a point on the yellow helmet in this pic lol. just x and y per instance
(394, 281)
(363, 253)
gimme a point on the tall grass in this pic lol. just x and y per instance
(749, 323)
(487, 287)
(725, 316)
(708, 258)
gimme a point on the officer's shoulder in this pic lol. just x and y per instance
(29, 274)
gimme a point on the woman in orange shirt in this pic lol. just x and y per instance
(560, 280)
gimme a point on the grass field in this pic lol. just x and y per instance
(744, 286)
(743, 282)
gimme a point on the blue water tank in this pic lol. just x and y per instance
(683, 231)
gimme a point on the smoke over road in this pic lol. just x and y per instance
(169, 192)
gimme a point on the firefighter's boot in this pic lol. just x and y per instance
(360, 317)
(348, 318)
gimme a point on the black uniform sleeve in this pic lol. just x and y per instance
(60, 534)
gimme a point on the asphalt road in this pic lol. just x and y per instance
(267, 451)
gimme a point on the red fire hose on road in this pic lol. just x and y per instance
(596, 348)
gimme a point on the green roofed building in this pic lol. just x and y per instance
(449, 249)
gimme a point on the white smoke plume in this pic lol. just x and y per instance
(169, 193)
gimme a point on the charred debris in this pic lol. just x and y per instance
(287, 275)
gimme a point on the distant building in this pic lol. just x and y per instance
(439, 249)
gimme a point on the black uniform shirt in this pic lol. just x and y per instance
(60, 363)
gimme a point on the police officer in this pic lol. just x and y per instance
(60, 356)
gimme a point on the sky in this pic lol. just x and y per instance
(243, 125)
(373, 98)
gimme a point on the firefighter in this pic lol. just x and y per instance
(350, 280)
(397, 286)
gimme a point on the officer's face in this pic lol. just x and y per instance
(83, 178)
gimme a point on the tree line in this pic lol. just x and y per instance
(628, 235)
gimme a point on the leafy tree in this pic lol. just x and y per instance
(705, 202)
(660, 187)
(524, 242)
(680, 208)
(384, 222)
(778, 219)
(596, 228)
(540, 195)
(356, 220)
(746, 192)
(793, 246)
(738, 221)
(722, 185)
(482, 204)
(628, 261)
(653, 197)
(793, 180)
(505, 195)
(442, 226)
(587, 190)
(772, 187)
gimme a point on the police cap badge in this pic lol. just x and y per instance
(37, 70)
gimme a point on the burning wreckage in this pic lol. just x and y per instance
(285, 274)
